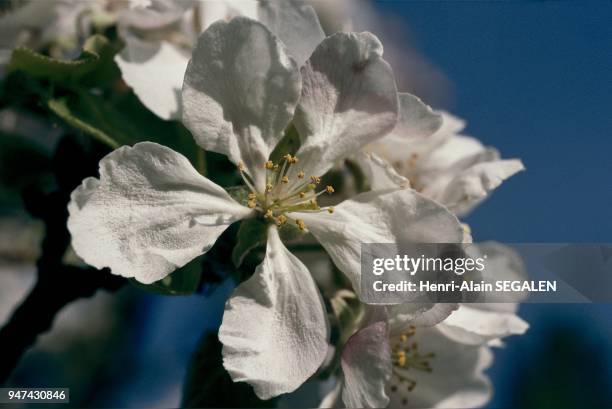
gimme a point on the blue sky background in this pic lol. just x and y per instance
(534, 79)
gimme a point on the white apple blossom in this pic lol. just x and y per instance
(417, 367)
(417, 356)
(452, 169)
(150, 212)
(160, 38)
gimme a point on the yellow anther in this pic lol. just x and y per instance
(301, 174)
(300, 224)
(311, 186)
(252, 196)
(280, 220)
(329, 189)
(302, 195)
(330, 209)
(240, 166)
(401, 358)
(294, 159)
(313, 202)
(269, 214)
(251, 204)
(269, 165)
(285, 179)
(315, 180)
(275, 169)
(269, 187)
(403, 337)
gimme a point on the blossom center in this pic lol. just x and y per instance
(406, 355)
(287, 190)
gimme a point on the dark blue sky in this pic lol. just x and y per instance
(533, 79)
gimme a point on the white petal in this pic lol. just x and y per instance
(157, 15)
(155, 72)
(385, 216)
(474, 184)
(379, 173)
(274, 330)
(148, 214)
(366, 366)
(295, 24)
(503, 263)
(457, 379)
(416, 119)
(212, 11)
(349, 99)
(240, 92)
(456, 152)
(474, 324)
(405, 315)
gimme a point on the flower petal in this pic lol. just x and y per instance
(295, 24)
(402, 316)
(474, 184)
(155, 72)
(475, 324)
(407, 153)
(379, 173)
(148, 214)
(480, 323)
(349, 99)
(384, 216)
(240, 92)
(416, 119)
(456, 379)
(212, 11)
(274, 330)
(366, 365)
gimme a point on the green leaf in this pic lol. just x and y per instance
(95, 62)
(122, 121)
(252, 234)
(78, 116)
(209, 385)
(183, 281)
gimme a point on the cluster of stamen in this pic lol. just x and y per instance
(405, 356)
(287, 190)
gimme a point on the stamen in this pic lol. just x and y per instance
(285, 179)
(280, 220)
(269, 165)
(302, 195)
(300, 223)
(251, 204)
(290, 159)
(301, 174)
(269, 187)
(241, 166)
(330, 210)
(401, 358)
(252, 196)
(315, 180)
(329, 189)
(269, 214)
